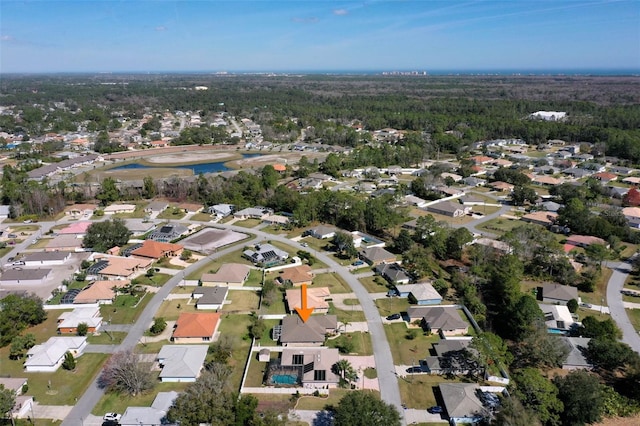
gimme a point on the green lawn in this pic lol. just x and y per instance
(170, 310)
(248, 223)
(419, 391)
(241, 301)
(172, 213)
(237, 325)
(256, 371)
(156, 280)
(392, 305)
(361, 342)
(318, 403)
(107, 338)
(125, 309)
(335, 283)
(374, 284)
(404, 350)
(347, 315)
(118, 403)
(500, 225)
(318, 245)
(277, 307)
(255, 278)
(634, 317)
(202, 217)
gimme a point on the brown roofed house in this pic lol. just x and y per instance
(296, 332)
(122, 267)
(229, 274)
(156, 250)
(100, 292)
(296, 276)
(195, 327)
(443, 320)
(376, 255)
(540, 218)
(316, 299)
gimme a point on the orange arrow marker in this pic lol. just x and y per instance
(304, 312)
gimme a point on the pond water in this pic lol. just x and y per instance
(212, 167)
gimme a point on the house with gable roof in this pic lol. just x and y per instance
(49, 356)
(313, 332)
(195, 327)
(181, 363)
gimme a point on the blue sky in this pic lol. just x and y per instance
(306, 35)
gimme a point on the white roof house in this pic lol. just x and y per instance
(181, 363)
(120, 208)
(68, 321)
(149, 416)
(48, 356)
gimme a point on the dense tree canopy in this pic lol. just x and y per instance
(101, 236)
(360, 408)
(18, 313)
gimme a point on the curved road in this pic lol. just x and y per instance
(389, 390)
(616, 307)
(93, 393)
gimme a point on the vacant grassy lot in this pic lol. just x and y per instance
(318, 403)
(361, 342)
(170, 310)
(392, 305)
(600, 292)
(248, 223)
(237, 325)
(404, 350)
(500, 225)
(335, 283)
(156, 280)
(346, 315)
(634, 317)
(374, 284)
(107, 338)
(419, 391)
(125, 309)
(241, 301)
(118, 403)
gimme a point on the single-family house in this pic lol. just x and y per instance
(317, 298)
(68, 242)
(139, 227)
(501, 186)
(210, 297)
(80, 210)
(14, 384)
(100, 292)
(229, 275)
(117, 267)
(120, 209)
(190, 207)
(4, 212)
(266, 255)
(156, 415)
(68, 321)
(451, 357)
(462, 403)
(25, 276)
(376, 255)
(181, 363)
(49, 356)
(556, 293)
(156, 249)
(498, 246)
(449, 208)
(420, 293)
(276, 219)
(253, 213)
(557, 318)
(75, 228)
(296, 276)
(361, 239)
(542, 218)
(444, 320)
(313, 332)
(168, 232)
(195, 327)
(322, 232)
(412, 200)
(313, 366)
(585, 241)
(474, 181)
(156, 207)
(46, 258)
(221, 210)
(576, 358)
(393, 273)
(605, 177)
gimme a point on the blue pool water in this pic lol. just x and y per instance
(213, 167)
(284, 379)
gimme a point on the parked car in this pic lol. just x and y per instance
(12, 236)
(11, 259)
(112, 417)
(586, 305)
(304, 244)
(358, 263)
(394, 317)
(435, 409)
(414, 370)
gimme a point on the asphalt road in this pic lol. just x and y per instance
(93, 393)
(614, 300)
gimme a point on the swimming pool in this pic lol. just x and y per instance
(284, 379)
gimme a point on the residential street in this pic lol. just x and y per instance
(93, 394)
(614, 300)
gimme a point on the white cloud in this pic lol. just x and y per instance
(6, 38)
(340, 12)
(161, 28)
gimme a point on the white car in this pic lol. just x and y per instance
(112, 417)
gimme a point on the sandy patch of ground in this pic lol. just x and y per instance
(189, 157)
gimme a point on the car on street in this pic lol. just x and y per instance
(11, 259)
(112, 417)
(304, 244)
(394, 317)
(436, 409)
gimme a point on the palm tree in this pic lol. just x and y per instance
(344, 369)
